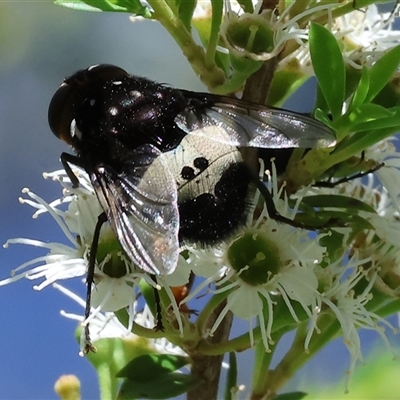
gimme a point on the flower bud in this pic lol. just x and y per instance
(68, 387)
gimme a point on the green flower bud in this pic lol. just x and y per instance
(109, 256)
(255, 256)
(250, 36)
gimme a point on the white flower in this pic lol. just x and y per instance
(105, 325)
(116, 278)
(365, 35)
(262, 264)
(347, 295)
(62, 261)
(268, 31)
(113, 290)
(389, 174)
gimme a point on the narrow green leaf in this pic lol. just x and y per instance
(353, 77)
(382, 71)
(320, 115)
(389, 97)
(335, 218)
(148, 366)
(147, 292)
(357, 4)
(320, 102)
(363, 140)
(328, 66)
(186, 10)
(337, 201)
(131, 6)
(392, 120)
(360, 94)
(162, 387)
(334, 246)
(96, 6)
(291, 396)
(369, 112)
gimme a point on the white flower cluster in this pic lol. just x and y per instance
(291, 268)
(365, 34)
(269, 273)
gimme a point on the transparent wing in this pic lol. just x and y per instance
(141, 205)
(243, 124)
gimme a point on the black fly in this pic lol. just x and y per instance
(167, 164)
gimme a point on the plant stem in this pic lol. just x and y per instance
(262, 362)
(107, 381)
(388, 309)
(297, 356)
(217, 8)
(210, 74)
(208, 368)
(257, 86)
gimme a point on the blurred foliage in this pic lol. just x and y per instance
(377, 379)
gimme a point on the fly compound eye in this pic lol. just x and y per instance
(74, 131)
(73, 92)
(61, 110)
(105, 72)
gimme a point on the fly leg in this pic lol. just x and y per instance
(102, 218)
(274, 214)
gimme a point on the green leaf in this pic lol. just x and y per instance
(290, 396)
(160, 387)
(361, 91)
(334, 247)
(376, 129)
(147, 292)
(148, 366)
(392, 120)
(363, 140)
(283, 317)
(186, 9)
(389, 96)
(369, 112)
(337, 201)
(335, 218)
(131, 6)
(321, 102)
(382, 71)
(377, 379)
(348, 169)
(320, 115)
(152, 376)
(353, 77)
(284, 83)
(357, 4)
(328, 66)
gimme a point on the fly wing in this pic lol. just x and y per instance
(244, 124)
(141, 206)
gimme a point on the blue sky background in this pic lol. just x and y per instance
(40, 44)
